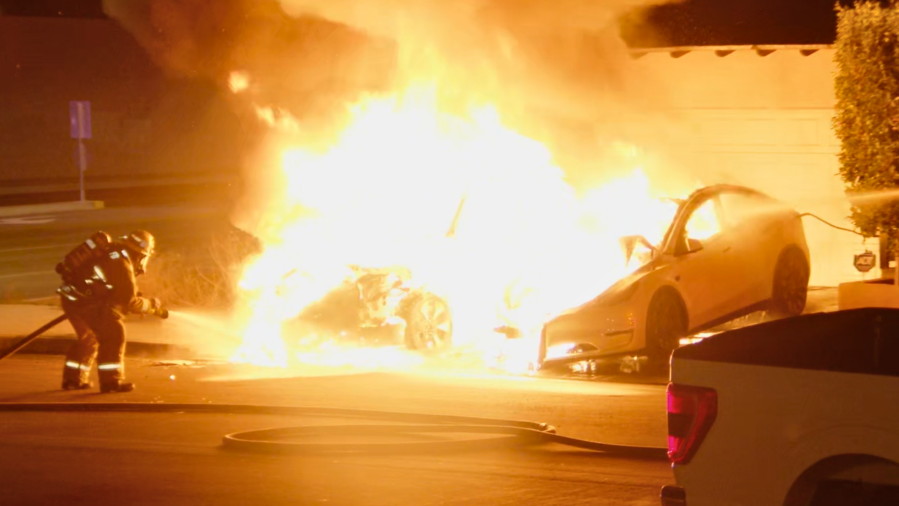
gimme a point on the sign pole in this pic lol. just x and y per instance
(82, 159)
(80, 120)
(82, 165)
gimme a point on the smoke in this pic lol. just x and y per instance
(303, 64)
(557, 71)
(565, 56)
(562, 61)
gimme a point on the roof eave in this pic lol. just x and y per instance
(722, 51)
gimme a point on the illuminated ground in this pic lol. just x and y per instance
(176, 458)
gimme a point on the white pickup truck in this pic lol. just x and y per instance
(801, 411)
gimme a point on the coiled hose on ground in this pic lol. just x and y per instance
(510, 433)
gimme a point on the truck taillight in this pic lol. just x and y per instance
(691, 413)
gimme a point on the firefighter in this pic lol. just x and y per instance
(96, 295)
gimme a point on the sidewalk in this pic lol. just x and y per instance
(52, 207)
(109, 183)
(822, 300)
(185, 335)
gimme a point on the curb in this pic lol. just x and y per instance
(9, 188)
(9, 211)
(60, 346)
(40, 301)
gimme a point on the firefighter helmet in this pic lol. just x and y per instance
(142, 244)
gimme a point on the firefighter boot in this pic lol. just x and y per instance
(111, 376)
(116, 387)
(75, 385)
(75, 376)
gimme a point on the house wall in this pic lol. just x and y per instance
(764, 122)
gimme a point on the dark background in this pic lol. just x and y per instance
(737, 22)
(147, 124)
(690, 22)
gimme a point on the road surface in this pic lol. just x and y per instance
(68, 458)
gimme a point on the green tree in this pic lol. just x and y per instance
(867, 113)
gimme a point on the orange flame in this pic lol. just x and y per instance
(238, 82)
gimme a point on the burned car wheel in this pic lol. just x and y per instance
(429, 324)
(790, 289)
(666, 323)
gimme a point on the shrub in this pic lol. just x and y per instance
(867, 111)
(205, 280)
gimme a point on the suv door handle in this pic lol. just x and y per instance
(726, 249)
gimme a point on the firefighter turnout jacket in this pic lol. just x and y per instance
(109, 282)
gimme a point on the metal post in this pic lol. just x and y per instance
(896, 269)
(82, 165)
(82, 159)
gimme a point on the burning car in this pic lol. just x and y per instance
(381, 306)
(729, 251)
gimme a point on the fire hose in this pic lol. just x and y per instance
(282, 440)
(25, 341)
(32, 336)
(513, 433)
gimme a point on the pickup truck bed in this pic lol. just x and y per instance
(801, 411)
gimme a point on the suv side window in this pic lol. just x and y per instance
(703, 225)
(739, 208)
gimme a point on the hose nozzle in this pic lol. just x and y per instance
(161, 313)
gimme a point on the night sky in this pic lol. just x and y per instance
(691, 22)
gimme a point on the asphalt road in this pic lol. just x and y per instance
(31, 246)
(70, 458)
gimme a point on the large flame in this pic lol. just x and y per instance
(478, 213)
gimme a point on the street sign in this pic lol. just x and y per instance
(866, 261)
(80, 120)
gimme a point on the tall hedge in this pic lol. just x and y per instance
(867, 110)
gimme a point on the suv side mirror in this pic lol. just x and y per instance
(687, 245)
(630, 242)
(693, 245)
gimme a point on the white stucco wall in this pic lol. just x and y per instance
(764, 122)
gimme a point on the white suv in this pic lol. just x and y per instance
(729, 252)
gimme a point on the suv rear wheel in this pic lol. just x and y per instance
(666, 324)
(790, 289)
